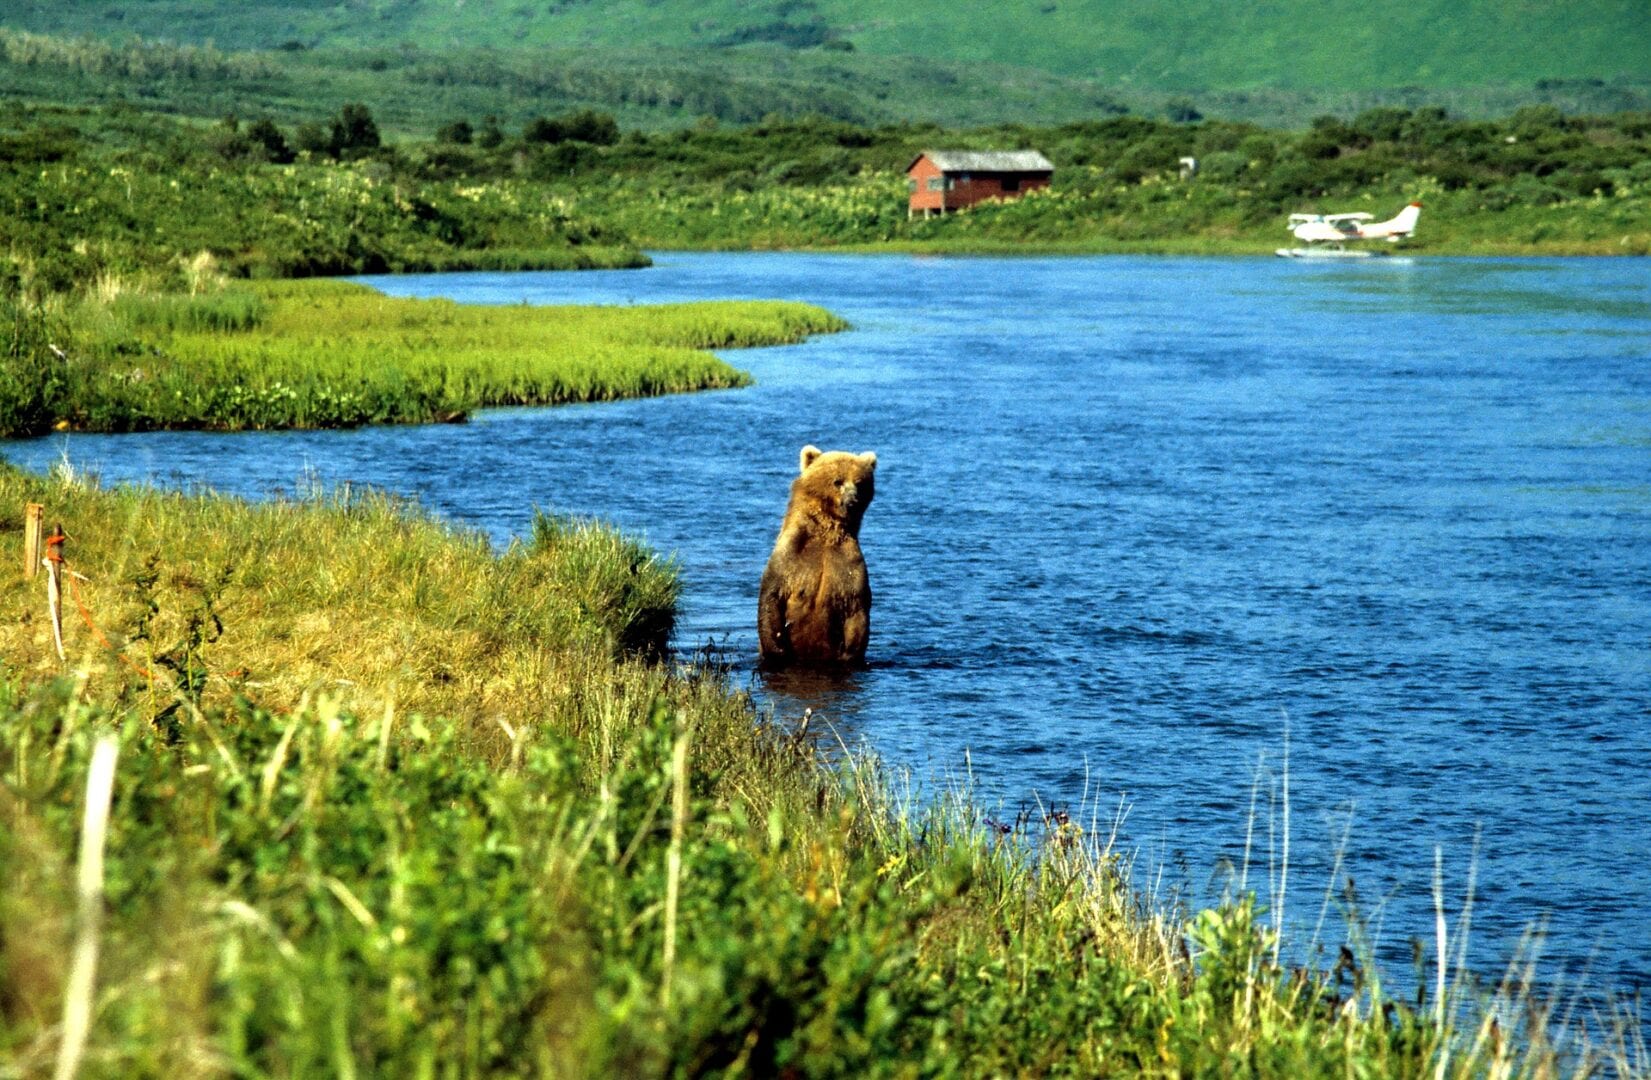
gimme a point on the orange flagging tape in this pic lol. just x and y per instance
(86, 614)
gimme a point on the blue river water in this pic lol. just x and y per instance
(1151, 534)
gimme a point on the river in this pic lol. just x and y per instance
(1152, 533)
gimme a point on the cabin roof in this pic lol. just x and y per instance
(985, 161)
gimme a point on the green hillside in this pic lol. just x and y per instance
(1192, 45)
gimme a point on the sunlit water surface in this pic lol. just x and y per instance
(1145, 524)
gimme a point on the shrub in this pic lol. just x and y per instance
(353, 132)
(457, 132)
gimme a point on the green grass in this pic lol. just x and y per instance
(313, 354)
(1206, 44)
(413, 609)
(395, 804)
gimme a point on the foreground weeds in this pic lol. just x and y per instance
(315, 354)
(397, 804)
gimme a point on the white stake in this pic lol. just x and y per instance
(673, 860)
(77, 1001)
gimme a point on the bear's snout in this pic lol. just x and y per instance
(853, 497)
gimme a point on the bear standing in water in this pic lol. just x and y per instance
(815, 602)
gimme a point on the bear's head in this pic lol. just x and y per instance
(836, 485)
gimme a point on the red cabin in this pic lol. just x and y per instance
(942, 180)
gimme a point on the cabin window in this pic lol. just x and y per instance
(937, 183)
(911, 185)
(1011, 183)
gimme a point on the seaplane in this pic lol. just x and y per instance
(1328, 234)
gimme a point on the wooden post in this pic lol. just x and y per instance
(54, 584)
(34, 522)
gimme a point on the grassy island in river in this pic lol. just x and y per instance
(313, 354)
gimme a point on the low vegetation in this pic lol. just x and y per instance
(117, 193)
(1536, 182)
(390, 803)
(313, 354)
(1110, 42)
(124, 192)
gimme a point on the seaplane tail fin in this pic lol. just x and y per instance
(1402, 225)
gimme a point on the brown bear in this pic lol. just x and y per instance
(815, 602)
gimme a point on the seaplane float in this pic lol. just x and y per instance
(1327, 235)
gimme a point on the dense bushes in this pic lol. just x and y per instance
(1118, 181)
(693, 186)
(586, 126)
(118, 192)
(89, 194)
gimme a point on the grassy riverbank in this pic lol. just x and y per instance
(94, 194)
(1090, 212)
(313, 354)
(1535, 182)
(395, 804)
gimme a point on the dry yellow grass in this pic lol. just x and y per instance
(359, 596)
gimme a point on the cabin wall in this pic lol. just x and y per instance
(923, 199)
(932, 191)
(982, 187)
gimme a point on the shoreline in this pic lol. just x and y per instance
(1181, 248)
(429, 705)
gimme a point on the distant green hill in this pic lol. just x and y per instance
(1188, 45)
(669, 63)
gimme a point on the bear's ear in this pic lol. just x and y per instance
(811, 454)
(869, 459)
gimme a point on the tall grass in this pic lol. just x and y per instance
(225, 311)
(328, 354)
(343, 592)
(420, 814)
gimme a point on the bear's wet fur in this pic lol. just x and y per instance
(814, 606)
